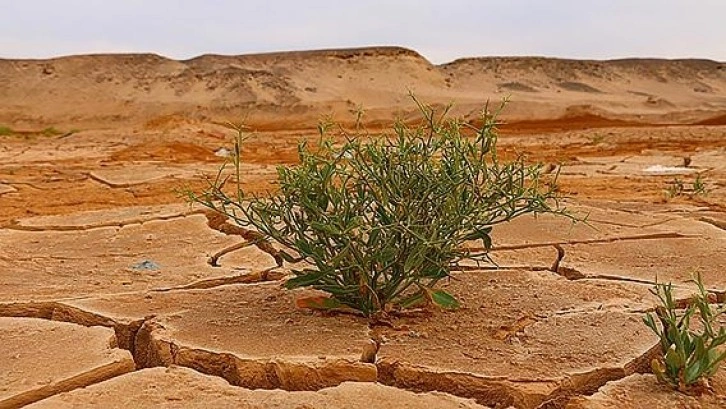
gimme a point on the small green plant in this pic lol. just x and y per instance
(699, 186)
(382, 219)
(689, 356)
(6, 131)
(675, 188)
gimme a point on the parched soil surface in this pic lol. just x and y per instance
(116, 293)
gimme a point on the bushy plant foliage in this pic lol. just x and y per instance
(380, 220)
(691, 353)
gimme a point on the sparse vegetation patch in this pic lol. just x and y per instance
(382, 219)
(678, 188)
(691, 353)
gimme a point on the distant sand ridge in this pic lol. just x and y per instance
(292, 90)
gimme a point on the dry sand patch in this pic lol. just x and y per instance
(41, 358)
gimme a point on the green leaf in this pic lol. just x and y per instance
(326, 228)
(304, 247)
(413, 260)
(304, 280)
(693, 372)
(695, 368)
(444, 300)
(690, 354)
(714, 360)
(373, 237)
(650, 322)
(387, 255)
(323, 201)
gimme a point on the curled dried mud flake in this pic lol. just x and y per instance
(219, 222)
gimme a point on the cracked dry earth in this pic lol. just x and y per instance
(114, 293)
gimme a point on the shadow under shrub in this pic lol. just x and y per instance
(381, 219)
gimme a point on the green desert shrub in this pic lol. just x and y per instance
(379, 220)
(5, 131)
(691, 352)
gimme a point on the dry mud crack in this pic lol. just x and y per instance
(154, 255)
(643, 391)
(663, 251)
(117, 218)
(529, 338)
(665, 260)
(254, 337)
(42, 358)
(178, 387)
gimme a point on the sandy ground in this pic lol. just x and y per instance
(104, 270)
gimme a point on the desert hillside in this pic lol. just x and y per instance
(294, 89)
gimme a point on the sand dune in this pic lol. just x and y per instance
(293, 90)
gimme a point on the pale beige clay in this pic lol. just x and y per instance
(158, 254)
(105, 218)
(643, 391)
(6, 189)
(177, 387)
(665, 260)
(602, 226)
(253, 335)
(522, 338)
(40, 358)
